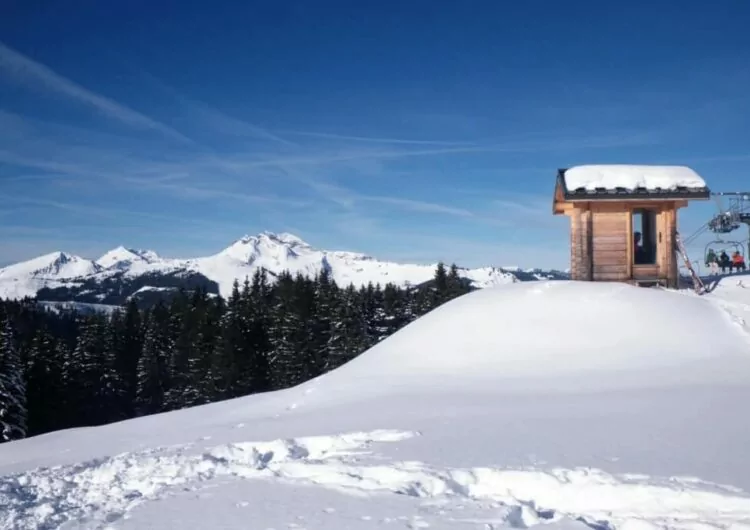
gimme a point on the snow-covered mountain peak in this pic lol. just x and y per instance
(55, 264)
(122, 256)
(272, 238)
(274, 252)
(148, 255)
(267, 246)
(116, 255)
(286, 238)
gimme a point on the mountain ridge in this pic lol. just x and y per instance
(62, 276)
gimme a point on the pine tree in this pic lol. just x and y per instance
(127, 344)
(371, 298)
(244, 353)
(224, 364)
(68, 382)
(207, 339)
(320, 326)
(44, 385)
(457, 286)
(96, 379)
(261, 294)
(114, 373)
(153, 366)
(379, 325)
(395, 310)
(441, 288)
(285, 360)
(193, 386)
(13, 413)
(349, 330)
(183, 327)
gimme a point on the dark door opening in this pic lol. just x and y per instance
(644, 237)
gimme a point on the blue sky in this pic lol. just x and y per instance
(413, 131)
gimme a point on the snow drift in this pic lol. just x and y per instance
(556, 335)
(586, 405)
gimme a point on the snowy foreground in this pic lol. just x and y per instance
(576, 405)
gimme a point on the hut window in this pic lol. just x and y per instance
(644, 237)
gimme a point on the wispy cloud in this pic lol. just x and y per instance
(21, 68)
(229, 124)
(553, 143)
(345, 191)
(418, 206)
(186, 191)
(119, 214)
(375, 140)
(213, 118)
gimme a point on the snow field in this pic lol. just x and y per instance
(110, 486)
(101, 492)
(576, 405)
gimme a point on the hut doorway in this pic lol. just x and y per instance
(643, 228)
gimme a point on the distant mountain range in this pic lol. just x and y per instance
(123, 273)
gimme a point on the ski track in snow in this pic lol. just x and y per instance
(100, 492)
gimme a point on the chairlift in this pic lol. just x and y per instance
(719, 246)
(727, 219)
(724, 222)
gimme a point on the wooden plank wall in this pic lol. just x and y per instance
(610, 243)
(601, 243)
(575, 246)
(580, 244)
(662, 253)
(586, 260)
(669, 265)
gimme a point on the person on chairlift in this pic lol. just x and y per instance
(712, 261)
(724, 262)
(738, 261)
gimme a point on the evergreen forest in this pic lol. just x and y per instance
(61, 368)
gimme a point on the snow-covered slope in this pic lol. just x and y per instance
(274, 252)
(577, 405)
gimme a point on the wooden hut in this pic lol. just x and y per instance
(623, 220)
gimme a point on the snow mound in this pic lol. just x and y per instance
(553, 330)
(630, 177)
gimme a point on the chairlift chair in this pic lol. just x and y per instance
(719, 246)
(724, 223)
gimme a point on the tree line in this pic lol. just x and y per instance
(61, 368)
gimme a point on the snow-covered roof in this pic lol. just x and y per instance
(627, 179)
